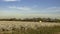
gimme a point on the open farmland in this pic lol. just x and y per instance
(18, 27)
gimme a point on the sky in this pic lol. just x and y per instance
(29, 8)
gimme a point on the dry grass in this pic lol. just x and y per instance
(18, 27)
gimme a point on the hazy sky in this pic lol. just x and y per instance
(29, 8)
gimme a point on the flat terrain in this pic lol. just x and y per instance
(5, 24)
(31, 27)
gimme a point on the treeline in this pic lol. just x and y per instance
(33, 19)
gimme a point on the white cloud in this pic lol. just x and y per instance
(20, 8)
(23, 8)
(10, 0)
(52, 10)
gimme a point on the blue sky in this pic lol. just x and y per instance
(29, 8)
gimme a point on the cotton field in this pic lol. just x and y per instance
(9, 25)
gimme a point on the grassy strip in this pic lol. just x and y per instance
(41, 30)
